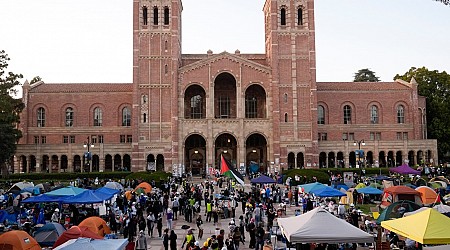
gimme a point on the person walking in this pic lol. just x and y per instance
(199, 223)
(159, 225)
(169, 218)
(166, 239)
(141, 241)
(189, 239)
(150, 223)
(173, 240)
(260, 237)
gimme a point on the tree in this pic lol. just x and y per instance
(365, 75)
(435, 86)
(10, 109)
(35, 79)
(446, 2)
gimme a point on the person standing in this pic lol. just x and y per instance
(166, 239)
(141, 241)
(55, 216)
(159, 225)
(150, 223)
(173, 240)
(260, 237)
(199, 223)
(251, 228)
(169, 218)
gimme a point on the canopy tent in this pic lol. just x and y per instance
(48, 234)
(404, 169)
(427, 195)
(108, 191)
(263, 179)
(307, 188)
(369, 190)
(91, 244)
(18, 240)
(145, 186)
(43, 198)
(87, 197)
(76, 232)
(341, 186)
(398, 193)
(327, 192)
(319, 226)
(426, 227)
(66, 191)
(397, 210)
(382, 178)
(96, 225)
(114, 185)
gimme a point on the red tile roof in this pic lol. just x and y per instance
(361, 86)
(80, 87)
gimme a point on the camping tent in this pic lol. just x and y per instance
(327, 192)
(319, 226)
(145, 186)
(96, 225)
(427, 195)
(114, 185)
(263, 179)
(426, 227)
(398, 193)
(74, 233)
(397, 210)
(16, 188)
(48, 234)
(66, 191)
(91, 244)
(18, 240)
(404, 169)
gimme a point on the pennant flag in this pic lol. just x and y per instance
(228, 170)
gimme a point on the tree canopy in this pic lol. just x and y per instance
(435, 86)
(10, 109)
(365, 75)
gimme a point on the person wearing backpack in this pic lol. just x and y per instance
(260, 237)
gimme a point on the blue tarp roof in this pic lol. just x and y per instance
(43, 198)
(369, 190)
(66, 191)
(327, 192)
(312, 186)
(107, 190)
(263, 179)
(89, 196)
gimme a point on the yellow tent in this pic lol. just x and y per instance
(426, 227)
(360, 185)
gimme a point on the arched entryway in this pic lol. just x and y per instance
(108, 163)
(64, 163)
(390, 159)
(45, 163)
(95, 163)
(76, 163)
(340, 160)
(195, 154)
(369, 159)
(291, 160)
(226, 145)
(420, 158)
(33, 164)
(117, 162)
(352, 159)
(331, 163)
(382, 159)
(411, 158)
(256, 152)
(160, 162)
(151, 162)
(54, 164)
(23, 164)
(300, 160)
(225, 96)
(322, 160)
(126, 162)
(398, 158)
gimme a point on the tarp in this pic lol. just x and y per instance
(96, 225)
(48, 234)
(18, 240)
(74, 233)
(369, 190)
(91, 244)
(404, 169)
(319, 226)
(66, 191)
(114, 185)
(398, 193)
(427, 195)
(87, 197)
(263, 179)
(106, 190)
(426, 227)
(327, 192)
(311, 186)
(43, 198)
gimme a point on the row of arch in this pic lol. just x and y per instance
(166, 15)
(348, 116)
(284, 15)
(96, 114)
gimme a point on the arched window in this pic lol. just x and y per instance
(347, 114)
(251, 107)
(374, 114)
(320, 114)
(155, 16)
(144, 118)
(300, 16)
(285, 97)
(41, 117)
(69, 117)
(283, 16)
(400, 114)
(196, 107)
(126, 117)
(166, 15)
(98, 117)
(285, 117)
(145, 14)
(165, 45)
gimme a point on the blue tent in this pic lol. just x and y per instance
(263, 179)
(106, 190)
(339, 186)
(369, 190)
(87, 197)
(48, 234)
(382, 178)
(327, 192)
(66, 191)
(43, 198)
(312, 186)
(11, 217)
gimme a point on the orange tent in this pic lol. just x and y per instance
(128, 195)
(427, 194)
(399, 193)
(96, 225)
(18, 240)
(144, 185)
(74, 233)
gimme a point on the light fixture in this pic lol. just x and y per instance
(225, 151)
(229, 140)
(196, 152)
(254, 150)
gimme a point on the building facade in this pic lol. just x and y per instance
(183, 111)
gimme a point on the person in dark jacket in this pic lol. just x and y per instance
(173, 240)
(166, 239)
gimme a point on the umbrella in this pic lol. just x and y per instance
(91, 244)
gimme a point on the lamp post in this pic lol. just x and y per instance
(359, 143)
(87, 156)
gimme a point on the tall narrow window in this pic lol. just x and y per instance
(69, 117)
(41, 117)
(145, 14)
(196, 107)
(165, 45)
(283, 16)
(144, 118)
(166, 69)
(251, 107)
(224, 106)
(300, 16)
(285, 97)
(166, 15)
(98, 117)
(320, 114)
(155, 16)
(374, 114)
(126, 117)
(347, 114)
(285, 117)
(400, 114)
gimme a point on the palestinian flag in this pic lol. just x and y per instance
(228, 170)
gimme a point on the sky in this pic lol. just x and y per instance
(85, 41)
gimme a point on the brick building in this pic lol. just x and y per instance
(185, 110)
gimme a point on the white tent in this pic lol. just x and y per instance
(319, 226)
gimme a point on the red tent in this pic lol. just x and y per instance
(399, 193)
(74, 233)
